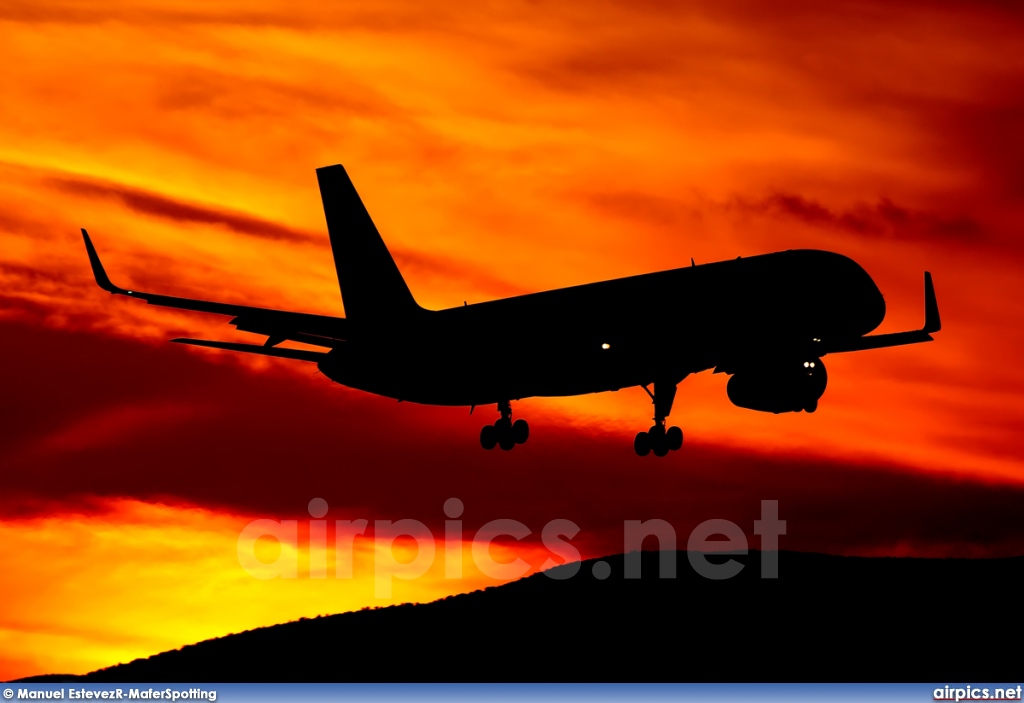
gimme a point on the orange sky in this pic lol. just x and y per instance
(501, 148)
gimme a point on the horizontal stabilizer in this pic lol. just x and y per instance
(300, 354)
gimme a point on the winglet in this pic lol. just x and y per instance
(932, 323)
(102, 280)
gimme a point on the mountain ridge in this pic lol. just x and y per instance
(826, 618)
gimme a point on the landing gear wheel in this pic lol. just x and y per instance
(811, 406)
(503, 430)
(674, 437)
(642, 444)
(520, 431)
(659, 445)
(488, 437)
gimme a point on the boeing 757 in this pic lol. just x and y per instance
(766, 321)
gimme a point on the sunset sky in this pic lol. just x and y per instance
(501, 147)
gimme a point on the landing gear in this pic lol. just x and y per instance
(659, 439)
(504, 433)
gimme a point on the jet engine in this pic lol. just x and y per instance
(780, 387)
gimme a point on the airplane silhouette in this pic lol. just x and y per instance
(765, 320)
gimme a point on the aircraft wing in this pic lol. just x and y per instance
(932, 323)
(278, 325)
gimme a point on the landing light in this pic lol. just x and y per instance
(606, 345)
(816, 339)
(806, 364)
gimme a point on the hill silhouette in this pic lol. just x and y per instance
(825, 618)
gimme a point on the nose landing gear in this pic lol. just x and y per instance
(504, 433)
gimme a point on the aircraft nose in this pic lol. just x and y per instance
(856, 306)
(871, 300)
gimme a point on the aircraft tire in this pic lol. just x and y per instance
(674, 437)
(506, 441)
(659, 445)
(520, 431)
(642, 444)
(488, 437)
(811, 406)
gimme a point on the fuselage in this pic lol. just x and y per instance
(614, 334)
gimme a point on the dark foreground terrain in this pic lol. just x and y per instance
(824, 619)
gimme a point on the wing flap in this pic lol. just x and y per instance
(300, 354)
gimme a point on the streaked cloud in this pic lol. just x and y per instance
(881, 219)
(156, 205)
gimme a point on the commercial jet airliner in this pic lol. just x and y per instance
(764, 320)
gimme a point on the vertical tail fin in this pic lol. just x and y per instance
(371, 284)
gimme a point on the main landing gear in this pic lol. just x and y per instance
(504, 433)
(658, 439)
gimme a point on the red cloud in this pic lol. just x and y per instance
(94, 416)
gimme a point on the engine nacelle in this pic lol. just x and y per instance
(780, 388)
